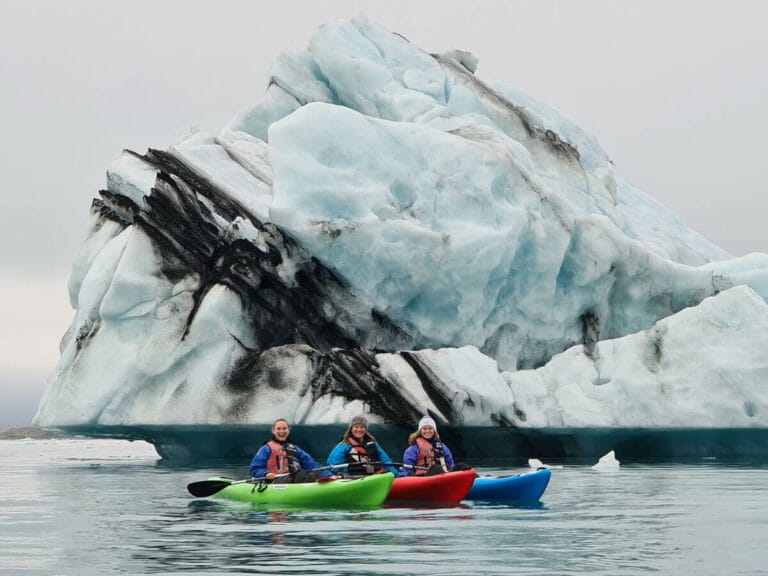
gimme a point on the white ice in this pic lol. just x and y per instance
(607, 463)
(540, 286)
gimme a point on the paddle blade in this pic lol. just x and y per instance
(206, 488)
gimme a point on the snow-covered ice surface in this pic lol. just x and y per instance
(384, 232)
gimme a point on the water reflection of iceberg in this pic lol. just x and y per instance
(238, 443)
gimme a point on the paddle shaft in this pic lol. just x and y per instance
(395, 464)
(401, 465)
(207, 488)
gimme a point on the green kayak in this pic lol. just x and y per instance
(368, 491)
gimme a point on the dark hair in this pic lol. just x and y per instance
(367, 437)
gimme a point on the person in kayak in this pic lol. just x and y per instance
(360, 450)
(281, 461)
(426, 454)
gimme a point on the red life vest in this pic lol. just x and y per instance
(429, 454)
(283, 459)
(360, 453)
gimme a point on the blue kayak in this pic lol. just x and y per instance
(528, 486)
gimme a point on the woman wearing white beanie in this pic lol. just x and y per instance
(426, 454)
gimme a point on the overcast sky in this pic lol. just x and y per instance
(675, 92)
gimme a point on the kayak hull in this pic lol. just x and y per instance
(368, 491)
(448, 487)
(528, 486)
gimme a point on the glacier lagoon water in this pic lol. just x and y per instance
(92, 506)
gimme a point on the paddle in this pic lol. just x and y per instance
(375, 463)
(206, 488)
(395, 464)
(401, 465)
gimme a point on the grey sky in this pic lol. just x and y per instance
(675, 92)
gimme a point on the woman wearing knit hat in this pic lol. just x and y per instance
(360, 450)
(426, 454)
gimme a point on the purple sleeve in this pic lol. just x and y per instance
(448, 458)
(410, 456)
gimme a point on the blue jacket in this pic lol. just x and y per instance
(411, 455)
(259, 463)
(339, 455)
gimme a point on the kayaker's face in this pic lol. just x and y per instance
(427, 432)
(358, 431)
(281, 430)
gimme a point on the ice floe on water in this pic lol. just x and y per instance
(607, 463)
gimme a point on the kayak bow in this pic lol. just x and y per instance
(367, 491)
(528, 486)
(448, 487)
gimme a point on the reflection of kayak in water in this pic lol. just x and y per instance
(448, 487)
(367, 491)
(523, 487)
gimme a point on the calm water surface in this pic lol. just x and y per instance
(79, 507)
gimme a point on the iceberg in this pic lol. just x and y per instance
(384, 232)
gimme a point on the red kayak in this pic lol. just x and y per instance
(448, 487)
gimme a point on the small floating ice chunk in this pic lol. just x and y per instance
(537, 464)
(607, 462)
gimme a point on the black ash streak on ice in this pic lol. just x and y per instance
(316, 316)
(281, 314)
(563, 149)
